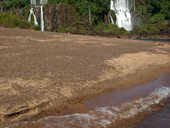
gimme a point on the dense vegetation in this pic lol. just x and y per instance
(9, 20)
(155, 15)
(8, 4)
(98, 8)
(152, 15)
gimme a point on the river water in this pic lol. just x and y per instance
(165, 40)
(160, 119)
(106, 109)
(129, 94)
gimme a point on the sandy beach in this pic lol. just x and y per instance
(41, 71)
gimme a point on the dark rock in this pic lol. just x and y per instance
(56, 16)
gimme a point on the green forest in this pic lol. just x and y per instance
(154, 15)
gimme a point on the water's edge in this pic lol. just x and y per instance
(159, 119)
(166, 40)
(106, 109)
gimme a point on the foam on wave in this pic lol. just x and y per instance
(103, 117)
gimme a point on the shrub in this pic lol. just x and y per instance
(157, 18)
(100, 29)
(148, 28)
(110, 29)
(154, 28)
(76, 28)
(9, 20)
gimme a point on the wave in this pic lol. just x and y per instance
(104, 116)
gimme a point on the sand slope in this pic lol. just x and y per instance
(40, 71)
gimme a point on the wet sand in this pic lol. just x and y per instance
(46, 73)
(127, 95)
(110, 110)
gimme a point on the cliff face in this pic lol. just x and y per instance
(56, 16)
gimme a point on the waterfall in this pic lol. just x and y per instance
(30, 15)
(111, 18)
(33, 2)
(42, 2)
(42, 19)
(122, 9)
(38, 2)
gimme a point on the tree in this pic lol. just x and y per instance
(7, 4)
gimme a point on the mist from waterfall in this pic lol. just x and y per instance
(122, 9)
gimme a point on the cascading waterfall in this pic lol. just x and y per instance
(42, 2)
(38, 3)
(30, 15)
(122, 9)
(111, 18)
(42, 19)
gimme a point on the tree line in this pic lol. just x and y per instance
(153, 12)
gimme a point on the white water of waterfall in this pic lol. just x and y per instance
(123, 14)
(38, 2)
(30, 15)
(33, 2)
(42, 2)
(111, 18)
(42, 19)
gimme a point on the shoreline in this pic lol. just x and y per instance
(104, 65)
(140, 117)
(76, 105)
(127, 122)
(130, 36)
(125, 84)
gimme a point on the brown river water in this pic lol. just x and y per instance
(160, 119)
(106, 109)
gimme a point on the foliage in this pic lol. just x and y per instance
(158, 17)
(100, 29)
(77, 28)
(152, 7)
(153, 28)
(154, 14)
(9, 20)
(7, 4)
(98, 8)
(110, 29)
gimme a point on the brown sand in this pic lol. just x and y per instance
(46, 71)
